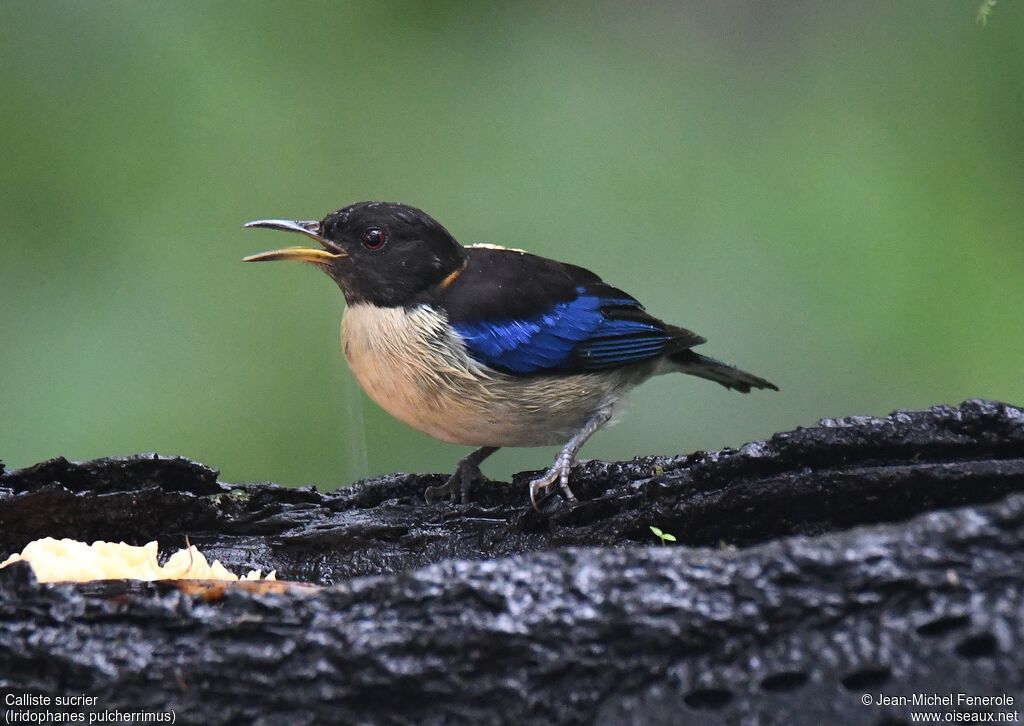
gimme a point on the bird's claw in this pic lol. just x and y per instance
(458, 486)
(559, 472)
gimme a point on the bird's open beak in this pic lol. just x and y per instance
(300, 254)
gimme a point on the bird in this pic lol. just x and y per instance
(484, 345)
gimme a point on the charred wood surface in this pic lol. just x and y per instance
(863, 555)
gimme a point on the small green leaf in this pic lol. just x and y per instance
(663, 536)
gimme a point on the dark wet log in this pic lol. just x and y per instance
(775, 606)
(841, 473)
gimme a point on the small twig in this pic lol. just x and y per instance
(188, 548)
(984, 11)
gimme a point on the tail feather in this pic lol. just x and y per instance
(715, 370)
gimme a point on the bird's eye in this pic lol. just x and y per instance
(374, 238)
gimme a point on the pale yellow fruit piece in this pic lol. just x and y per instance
(68, 560)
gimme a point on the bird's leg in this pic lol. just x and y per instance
(559, 471)
(461, 482)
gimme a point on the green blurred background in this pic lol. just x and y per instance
(832, 193)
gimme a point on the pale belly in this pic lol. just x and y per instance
(407, 363)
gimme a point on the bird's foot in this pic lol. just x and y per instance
(459, 484)
(558, 473)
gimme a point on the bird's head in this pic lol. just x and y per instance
(380, 253)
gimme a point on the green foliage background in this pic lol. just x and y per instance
(832, 193)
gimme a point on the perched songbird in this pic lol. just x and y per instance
(484, 345)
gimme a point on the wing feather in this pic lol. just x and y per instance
(576, 335)
(527, 315)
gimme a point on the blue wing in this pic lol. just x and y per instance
(591, 332)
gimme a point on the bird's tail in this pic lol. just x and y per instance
(724, 374)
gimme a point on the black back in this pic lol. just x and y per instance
(500, 284)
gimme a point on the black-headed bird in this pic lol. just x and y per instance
(488, 346)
